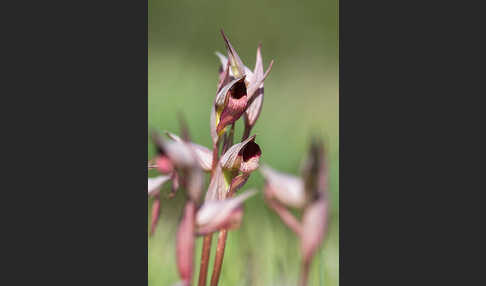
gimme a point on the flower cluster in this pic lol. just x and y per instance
(239, 94)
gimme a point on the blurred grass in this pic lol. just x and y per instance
(301, 98)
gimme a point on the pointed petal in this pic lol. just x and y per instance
(314, 227)
(237, 66)
(222, 58)
(230, 160)
(224, 78)
(257, 83)
(218, 186)
(154, 184)
(224, 62)
(185, 242)
(214, 215)
(258, 71)
(287, 189)
(254, 109)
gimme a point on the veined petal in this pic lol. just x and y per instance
(154, 184)
(257, 82)
(254, 109)
(224, 62)
(237, 66)
(185, 242)
(214, 215)
(287, 189)
(314, 227)
(232, 158)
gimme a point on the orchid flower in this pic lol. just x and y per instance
(237, 90)
(218, 214)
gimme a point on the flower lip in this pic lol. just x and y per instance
(250, 150)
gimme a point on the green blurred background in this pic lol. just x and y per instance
(301, 98)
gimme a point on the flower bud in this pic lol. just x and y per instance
(285, 188)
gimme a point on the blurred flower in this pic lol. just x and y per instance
(204, 156)
(154, 184)
(308, 192)
(218, 214)
(184, 164)
(287, 189)
(314, 226)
